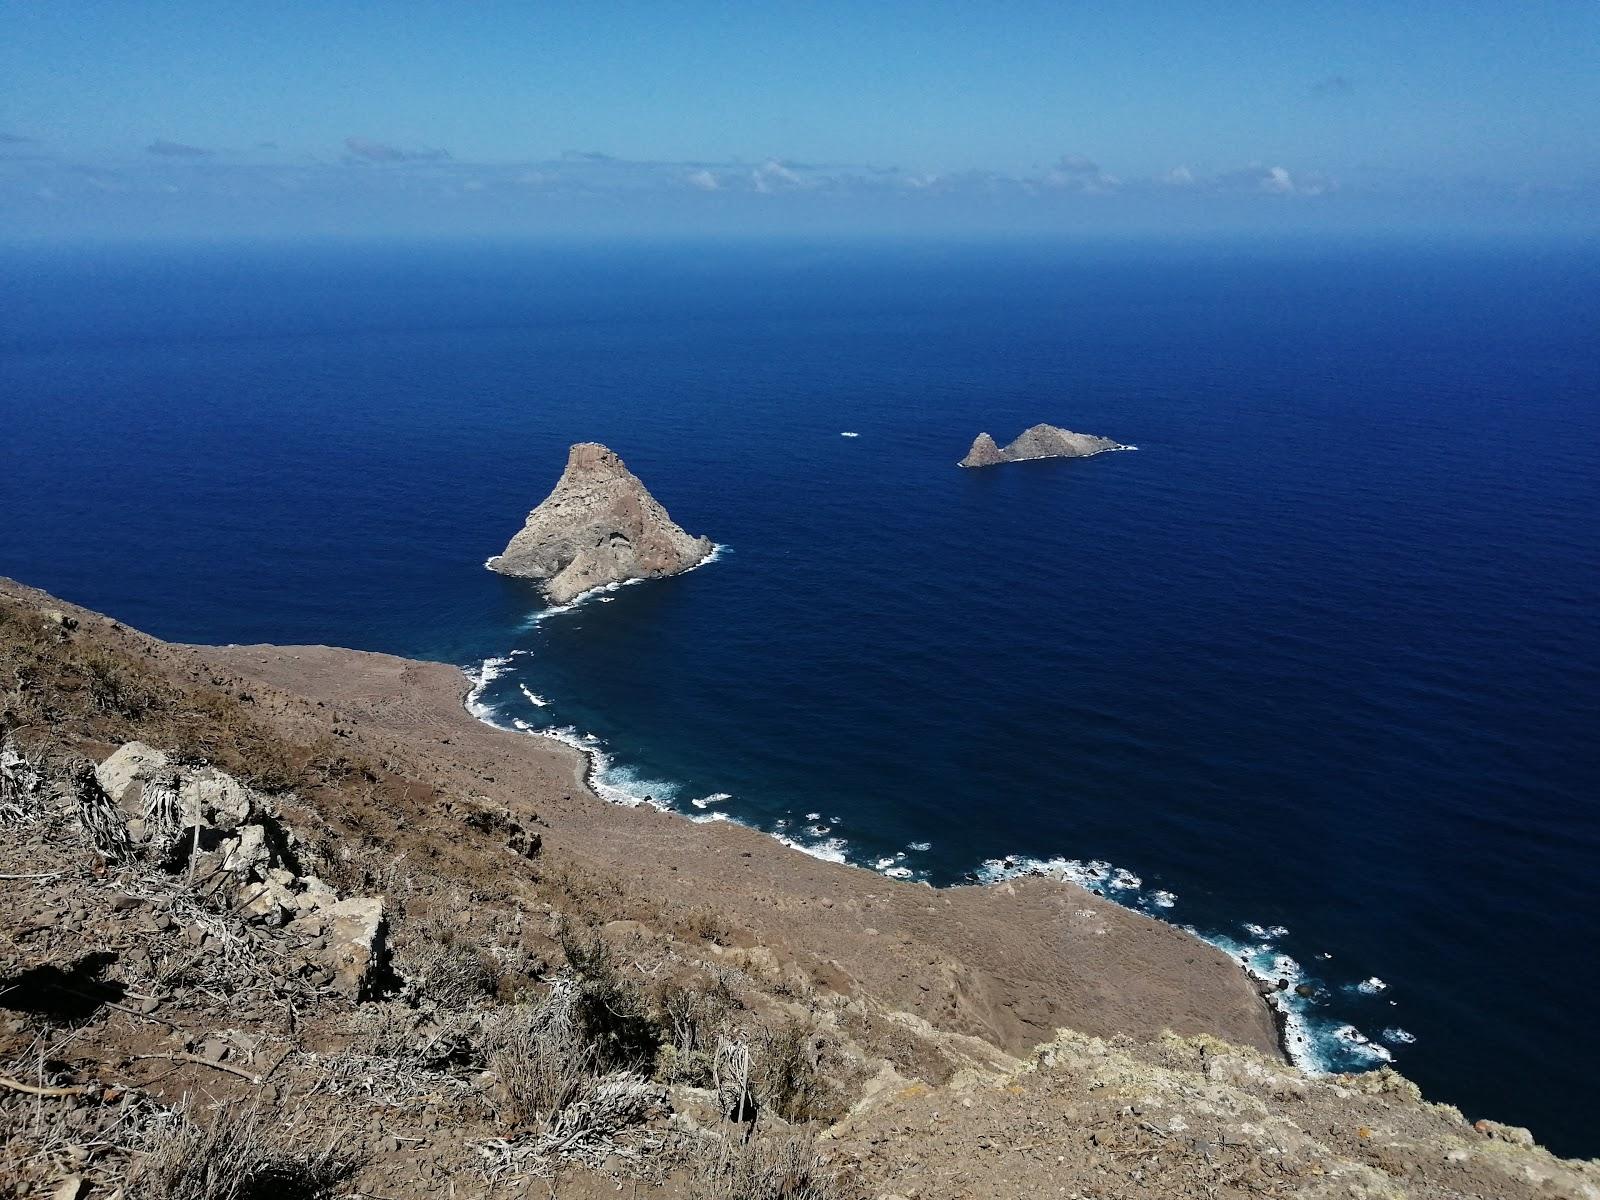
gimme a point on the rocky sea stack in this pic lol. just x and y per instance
(1041, 441)
(599, 526)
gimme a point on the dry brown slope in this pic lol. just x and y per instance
(1009, 963)
(1182, 1117)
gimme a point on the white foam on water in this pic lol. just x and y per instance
(714, 798)
(536, 700)
(898, 872)
(604, 592)
(883, 864)
(1372, 986)
(827, 849)
(849, 434)
(818, 830)
(920, 847)
(1354, 1038)
(488, 671)
(1398, 1036)
(555, 610)
(1163, 899)
(814, 816)
(1265, 932)
(618, 785)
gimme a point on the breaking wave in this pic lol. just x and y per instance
(603, 593)
(488, 671)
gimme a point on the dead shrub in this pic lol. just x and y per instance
(708, 924)
(439, 964)
(553, 1082)
(231, 1155)
(542, 1058)
(615, 1018)
(766, 1168)
(454, 976)
(692, 1017)
(789, 1077)
(114, 689)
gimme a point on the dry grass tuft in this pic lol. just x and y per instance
(554, 1092)
(233, 1156)
(542, 1058)
(615, 1018)
(767, 1168)
(441, 963)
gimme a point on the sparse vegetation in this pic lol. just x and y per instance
(708, 924)
(788, 1073)
(541, 1057)
(229, 1154)
(764, 1168)
(692, 1016)
(611, 1007)
(132, 984)
(439, 963)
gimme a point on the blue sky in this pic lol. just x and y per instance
(500, 117)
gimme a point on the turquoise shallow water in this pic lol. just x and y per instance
(1314, 671)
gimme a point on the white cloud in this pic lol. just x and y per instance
(772, 175)
(1277, 181)
(702, 179)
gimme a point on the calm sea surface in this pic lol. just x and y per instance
(1316, 671)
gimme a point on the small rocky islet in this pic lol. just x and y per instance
(600, 526)
(1039, 441)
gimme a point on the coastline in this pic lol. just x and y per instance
(1028, 981)
(1292, 1037)
(1009, 964)
(1310, 1041)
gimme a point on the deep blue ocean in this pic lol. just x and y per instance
(1315, 671)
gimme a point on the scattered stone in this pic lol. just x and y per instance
(212, 797)
(1514, 1135)
(123, 775)
(356, 944)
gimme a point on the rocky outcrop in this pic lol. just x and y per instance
(599, 526)
(227, 840)
(1041, 441)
